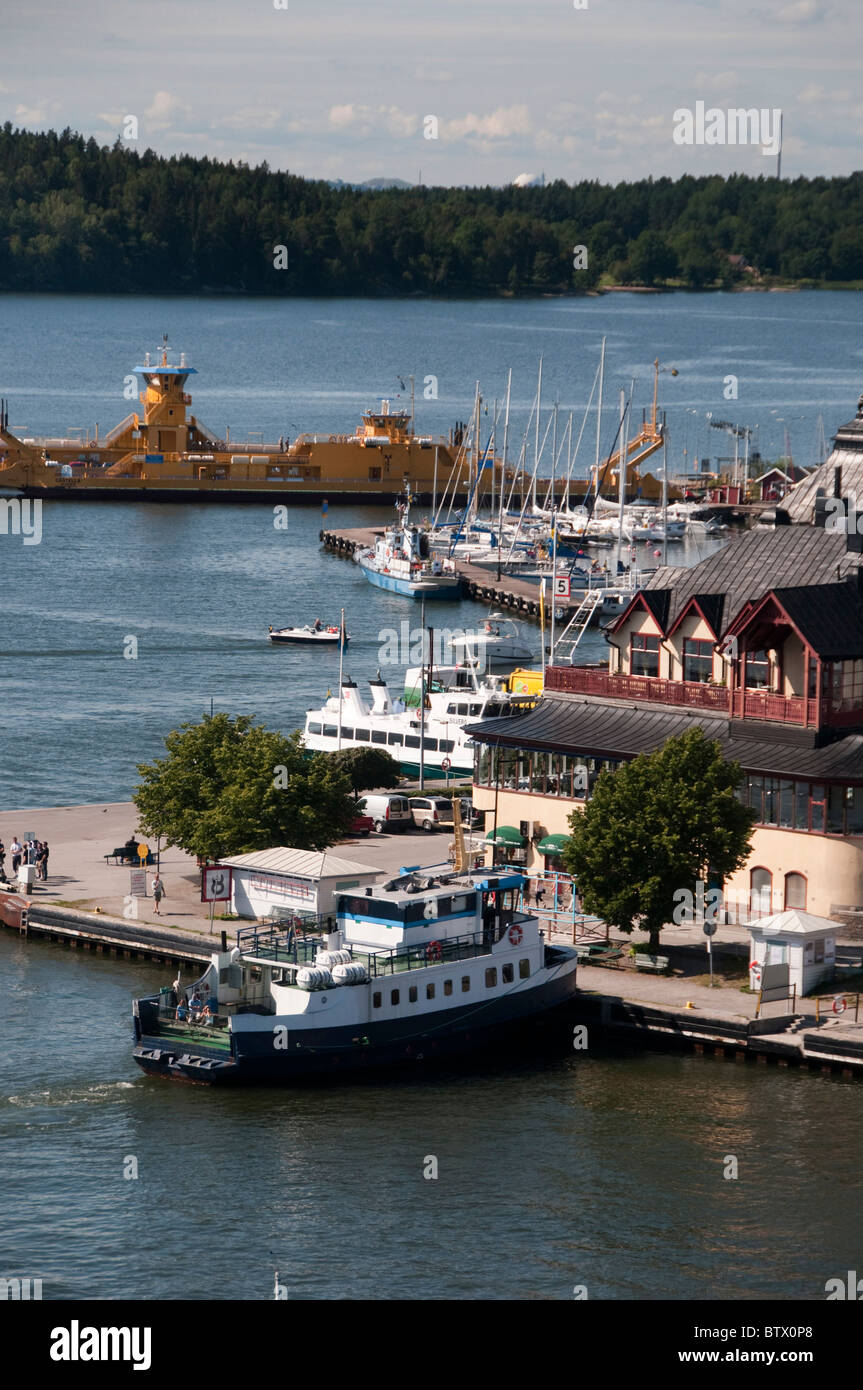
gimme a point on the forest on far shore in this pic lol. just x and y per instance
(79, 216)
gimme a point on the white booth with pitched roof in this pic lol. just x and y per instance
(806, 944)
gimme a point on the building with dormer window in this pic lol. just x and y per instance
(761, 644)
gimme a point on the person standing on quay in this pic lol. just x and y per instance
(44, 861)
(158, 894)
(16, 849)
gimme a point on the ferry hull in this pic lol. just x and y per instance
(344, 1053)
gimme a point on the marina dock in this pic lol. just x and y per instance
(478, 583)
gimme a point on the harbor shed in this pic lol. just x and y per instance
(307, 882)
(806, 944)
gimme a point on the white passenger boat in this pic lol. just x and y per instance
(424, 967)
(401, 561)
(402, 730)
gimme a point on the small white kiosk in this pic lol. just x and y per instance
(806, 944)
(296, 880)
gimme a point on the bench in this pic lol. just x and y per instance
(605, 955)
(656, 963)
(123, 856)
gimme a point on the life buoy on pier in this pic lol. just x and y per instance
(840, 1004)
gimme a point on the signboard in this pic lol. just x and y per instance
(289, 887)
(143, 852)
(775, 982)
(215, 884)
(138, 883)
(562, 586)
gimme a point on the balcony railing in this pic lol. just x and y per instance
(740, 704)
(598, 680)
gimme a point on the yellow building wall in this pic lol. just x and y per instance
(832, 866)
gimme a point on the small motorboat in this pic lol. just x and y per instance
(326, 636)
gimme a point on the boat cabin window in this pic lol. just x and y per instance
(394, 996)
(447, 745)
(524, 969)
(394, 739)
(463, 709)
(346, 732)
(465, 984)
(411, 741)
(465, 902)
(431, 744)
(447, 986)
(363, 907)
(491, 977)
(314, 728)
(379, 735)
(429, 991)
(507, 974)
(452, 709)
(361, 735)
(330, 731)
(376, 999)
(412, 994)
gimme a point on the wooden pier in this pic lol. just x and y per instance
(478, 583)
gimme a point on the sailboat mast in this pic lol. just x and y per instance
(503, 467)
(621, 474)
(536, 432)
(599, 416)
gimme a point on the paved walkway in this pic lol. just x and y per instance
(80, 836)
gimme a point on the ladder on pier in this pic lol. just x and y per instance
(565, 646)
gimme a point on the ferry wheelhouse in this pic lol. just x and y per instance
(426, 966)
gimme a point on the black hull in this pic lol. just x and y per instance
(461, 1033)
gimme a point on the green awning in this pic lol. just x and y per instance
(506, 835)
(552, 844)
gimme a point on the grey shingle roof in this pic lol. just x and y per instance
(830, 618)
(569, 723)
(751, 565)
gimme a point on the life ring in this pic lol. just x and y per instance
(515, 934)
(840, 1004)
(434, 950)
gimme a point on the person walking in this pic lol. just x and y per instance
(158, 894)
(17, 849)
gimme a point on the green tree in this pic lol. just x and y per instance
(230, 786)
(367, 768)
(651, 258)
(657, 825)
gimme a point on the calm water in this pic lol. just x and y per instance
(596, 1170)
(599, 1171)
(197, 585)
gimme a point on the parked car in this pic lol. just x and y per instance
(431, 812)
(470, 816)
(361, 825)
(388, 811)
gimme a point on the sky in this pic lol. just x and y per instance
(446, 91)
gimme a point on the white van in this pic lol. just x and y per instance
(388, 810)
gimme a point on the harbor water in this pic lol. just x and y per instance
(595, 1169)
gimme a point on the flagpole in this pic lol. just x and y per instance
(341, 663)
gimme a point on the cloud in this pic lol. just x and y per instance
(363, 120)
(162, 110)
(715, 81)
(801, 12)
(250, 118)
(501, 124)
(31, 115)
(425, 73)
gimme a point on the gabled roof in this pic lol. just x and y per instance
(828, 616)
(301, 862)
(656, 601)
(795, 922)
(710, 607)
(758, 561)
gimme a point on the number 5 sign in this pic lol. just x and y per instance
(561, 585)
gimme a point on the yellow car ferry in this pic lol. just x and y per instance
(165, 453)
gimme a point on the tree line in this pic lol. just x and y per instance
(79, 216)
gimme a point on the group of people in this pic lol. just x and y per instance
(193, 1010)
(33, 852)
